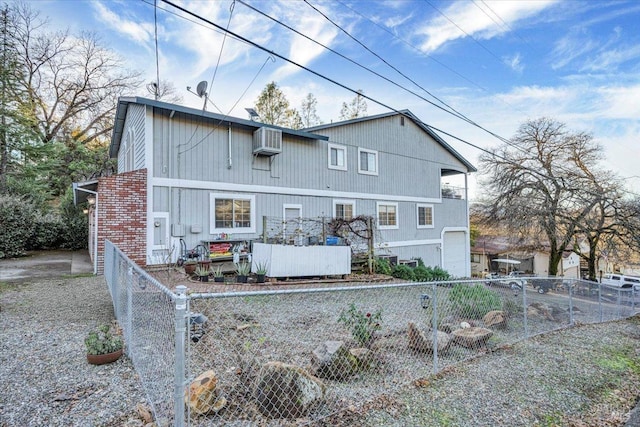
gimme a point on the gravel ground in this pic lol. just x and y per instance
(583, 376)
(45, 379)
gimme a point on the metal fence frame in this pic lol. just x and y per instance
(155, 323)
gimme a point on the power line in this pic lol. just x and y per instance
(224, 39)
(274, 54)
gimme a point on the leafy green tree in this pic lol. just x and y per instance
(273, 108)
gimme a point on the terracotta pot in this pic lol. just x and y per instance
(190, 268)
(101, 359)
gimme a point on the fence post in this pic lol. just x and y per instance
(571, 302)
(180, 333)
(600, 300)
(370, 246)
(129, 315)
(524, 311)
(434, 326)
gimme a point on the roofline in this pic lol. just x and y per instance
(123, 104)
(408, 114)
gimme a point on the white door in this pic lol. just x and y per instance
(291, 229)
(454, 253)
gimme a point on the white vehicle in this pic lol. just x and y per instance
(623, 281)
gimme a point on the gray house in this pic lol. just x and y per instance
(193, 175)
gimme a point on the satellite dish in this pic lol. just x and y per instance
(201, 89)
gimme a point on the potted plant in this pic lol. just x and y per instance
(218, 276)
(102, 346)
(242, 271)
(203, 274)
(261, 271)
(190, 266)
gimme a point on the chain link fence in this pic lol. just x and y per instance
(292, 357)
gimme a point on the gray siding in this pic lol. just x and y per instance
(134, 122)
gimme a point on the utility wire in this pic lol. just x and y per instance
(155, 32)
(224, 39)
(354, 91)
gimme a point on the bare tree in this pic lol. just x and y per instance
(308, 113)
(356, 108)
(546, 183)
(72, 82)
(165, 91)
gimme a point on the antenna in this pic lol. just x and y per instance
(201, 89)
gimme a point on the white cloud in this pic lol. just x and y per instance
(139, 32)
(514, 62)
(465, 17)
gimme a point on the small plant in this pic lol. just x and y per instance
(202, 272)
(217, 271)
(404, 272)
(361, 325)
(102, 341)
(262, 267)
(474, 301)
(382, 266)
(242, 268)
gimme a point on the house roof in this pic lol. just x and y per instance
(124, 102)
(408, 114)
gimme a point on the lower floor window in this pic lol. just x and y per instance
(387, 215)
(231, 212)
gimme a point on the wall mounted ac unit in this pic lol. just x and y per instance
(267, 141)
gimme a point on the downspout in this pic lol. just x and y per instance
(229, 162)
(95, 237)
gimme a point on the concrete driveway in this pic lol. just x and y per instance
(45, 264)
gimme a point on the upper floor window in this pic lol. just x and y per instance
(367, 161)
(425, 216)
(344, 209)
(337, 157)
(232, 213)
(387, 215)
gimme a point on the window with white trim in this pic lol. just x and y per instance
(337, 157)
(232, 213)
(367, 161)
(424, 215)
(344, 209)
(387, 215)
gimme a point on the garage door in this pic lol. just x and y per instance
(454, 253)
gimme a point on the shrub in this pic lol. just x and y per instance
(361, 325)
(403, 272)
(419, 261)
(440, 274)
(16, 225)
(382, 266)
(422, 273)
(75, 229)
(47, 232)
(474, 301)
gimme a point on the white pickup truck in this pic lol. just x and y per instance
(617, 280)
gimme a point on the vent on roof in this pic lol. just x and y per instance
(267, 141)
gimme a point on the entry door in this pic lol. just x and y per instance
(291, 230)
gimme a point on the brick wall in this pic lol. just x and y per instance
(122, 215)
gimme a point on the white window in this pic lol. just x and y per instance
(367, 162)
(344, 209)
(387, 215)
(337, 157)
(232, 213)
(425, 216)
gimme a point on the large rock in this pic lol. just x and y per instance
(286, 391)
(363, 357)
(496, 319)
(332, 360)
(203, 395)
(472, 337)
(551, 312)
(420, 342)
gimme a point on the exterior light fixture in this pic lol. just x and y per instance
(91, 200)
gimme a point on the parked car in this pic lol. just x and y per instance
(545, 284)
(511, 281)
(623, 281)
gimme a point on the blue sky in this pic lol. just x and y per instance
(499, 63)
